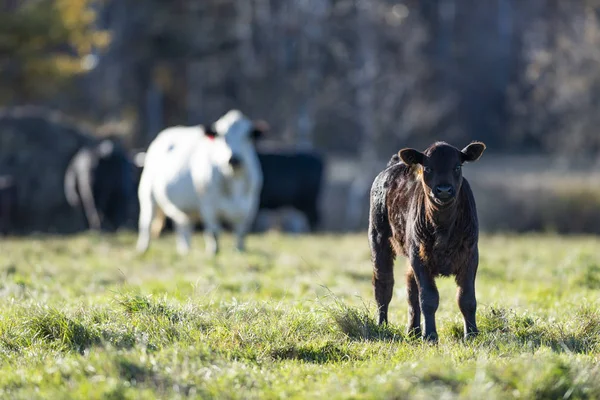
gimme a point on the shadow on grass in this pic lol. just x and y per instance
(138, 374)
(144, 304)
(357, 325)
(155, 322)
(54, 327)
(580, 334)
(318, 354)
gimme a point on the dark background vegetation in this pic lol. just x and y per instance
(354, 79)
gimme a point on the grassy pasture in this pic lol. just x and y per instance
(85, 317)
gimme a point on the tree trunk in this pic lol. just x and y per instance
(153, 110)
(314, 12)
(368, 69)
(243, 27)
(195, 113)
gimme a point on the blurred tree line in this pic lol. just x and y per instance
(42, 45)
(354, 77)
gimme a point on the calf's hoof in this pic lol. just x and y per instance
(383, 319)
(431, 337)
(413, 332)
(471, 335)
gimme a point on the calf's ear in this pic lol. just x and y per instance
(472, 152)
(259, 128)
(411, 156)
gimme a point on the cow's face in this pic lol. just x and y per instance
(234, 137)
(441, 168)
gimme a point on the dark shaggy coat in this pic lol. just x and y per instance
(423, 209)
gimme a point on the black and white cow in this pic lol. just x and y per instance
(201, 173)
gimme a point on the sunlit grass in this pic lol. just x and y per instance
(86, 317)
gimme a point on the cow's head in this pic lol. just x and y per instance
(441, 168)
(234, 137)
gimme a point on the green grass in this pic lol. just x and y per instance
(85, 317)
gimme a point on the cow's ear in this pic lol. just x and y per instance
(411, 156)
(210, 131)
(472, 152)
(259, 128)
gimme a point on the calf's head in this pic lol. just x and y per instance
(441, 168)
(234, 136)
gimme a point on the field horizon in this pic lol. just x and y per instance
(86, 317)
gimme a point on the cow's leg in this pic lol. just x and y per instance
(148, 211)
(242, 223)
(117, 209)
(158, 223)
(183, 227)
(85, 186)
(4, 209)
(212, 228)
(312, 215)
(184, 234)
(241, 211)
(414, 308)
(240, 234)
(467, 302)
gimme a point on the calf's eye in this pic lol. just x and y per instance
(457, 168)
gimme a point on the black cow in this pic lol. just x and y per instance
(294, 179)
(8, 203)
(101, 178)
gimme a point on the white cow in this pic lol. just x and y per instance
(201, 173)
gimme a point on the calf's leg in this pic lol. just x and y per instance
(382, 256)
(414, 308)
(382, 252)
(467, 302)
(429, 297)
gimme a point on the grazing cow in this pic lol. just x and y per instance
(204, 173)
(423, 208)
(100, 178)
(292, 179)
